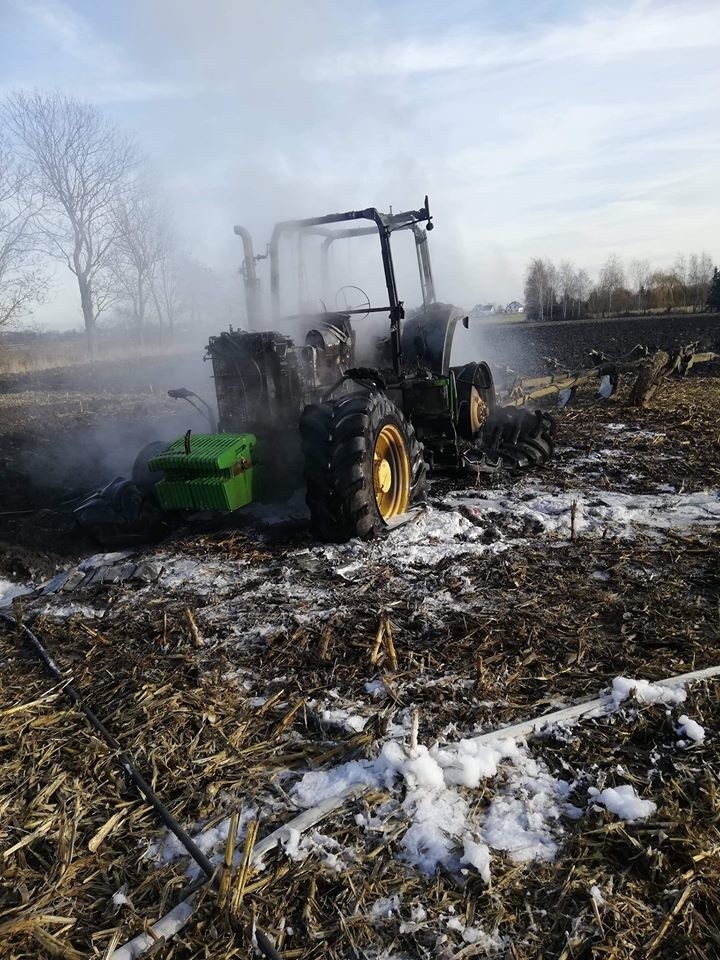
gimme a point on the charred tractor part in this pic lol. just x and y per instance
(121, 515)
(264, 381)
(520, 438)
(319, 394)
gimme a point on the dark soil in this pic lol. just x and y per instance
(526, 346)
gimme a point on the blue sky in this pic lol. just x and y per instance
(568, 130)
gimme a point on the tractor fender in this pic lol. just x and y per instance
(427, 338)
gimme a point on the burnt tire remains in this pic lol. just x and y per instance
(363, 465)
(517, 437)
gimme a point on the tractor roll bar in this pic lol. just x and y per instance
(385, 224)
(427, 284)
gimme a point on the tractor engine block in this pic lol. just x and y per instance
(263, 381)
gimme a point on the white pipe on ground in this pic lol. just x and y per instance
(176, 919)
(587, 709)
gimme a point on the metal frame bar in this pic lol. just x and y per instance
(385, 224)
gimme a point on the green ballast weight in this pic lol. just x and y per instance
(207, 472)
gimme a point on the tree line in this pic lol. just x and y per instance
(74, 188)
(564, 292)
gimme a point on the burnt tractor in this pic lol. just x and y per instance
(323, 395)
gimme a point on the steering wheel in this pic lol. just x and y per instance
(346, 307)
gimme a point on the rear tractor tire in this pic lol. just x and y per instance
(363, 466)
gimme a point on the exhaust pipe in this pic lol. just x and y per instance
(253, 295)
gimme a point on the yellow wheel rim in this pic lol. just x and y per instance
(478, 410)
(391, 472)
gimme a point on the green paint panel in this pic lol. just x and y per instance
(222, 493)
(217, 474)
(210, 453)
(174, 495)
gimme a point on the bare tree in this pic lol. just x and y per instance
(80, 163)
(536, 284)
(139, 248)
(167, 293)
(665, 285)
(553, 282)
(612, 279)
(705, 275)
(640, 275)
(680, 269)
(22, 281)
(566, 284)
(207, 297)
(171, 280)
(582, 288)
(700, 274)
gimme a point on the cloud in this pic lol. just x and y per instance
(136, 91)
(553, 128)
(99, 71)
(74, 35)
(603, 37)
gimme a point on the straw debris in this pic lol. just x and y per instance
(286, 681)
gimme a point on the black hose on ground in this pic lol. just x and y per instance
(123, 759)
(267, 948)
(132, 774)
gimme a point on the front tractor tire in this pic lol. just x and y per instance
(363, 466)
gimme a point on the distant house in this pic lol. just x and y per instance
(486, 310)
(515, 307)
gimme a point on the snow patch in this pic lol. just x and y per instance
(437, 534)
(299, 847)
(487, 942)
(690, 729)
(65, 610)
(9, 591)
(343, 719)
(376, 688)
(318, 785)
(203, 577)
(385, 907)
(119, 899)
(596, 513)
(478, 856)
(624, 802)
(521, 817)
(443, 829)
(210, 841)
(642, 691)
